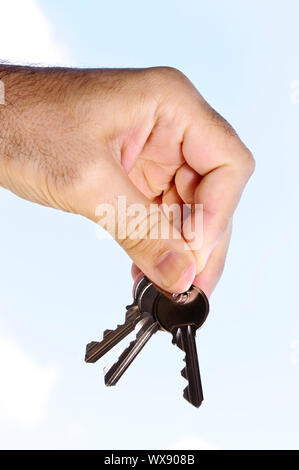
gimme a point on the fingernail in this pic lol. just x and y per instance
(175, 271)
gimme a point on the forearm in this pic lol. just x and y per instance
(27, 118)
(53, 116)
(39, 104)
(45, 113)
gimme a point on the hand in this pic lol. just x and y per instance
(74, 139)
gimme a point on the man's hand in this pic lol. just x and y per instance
(73, 139)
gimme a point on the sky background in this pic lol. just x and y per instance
(58, 280)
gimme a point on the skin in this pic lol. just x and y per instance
(72, 139)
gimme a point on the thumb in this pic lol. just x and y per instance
(142, 230)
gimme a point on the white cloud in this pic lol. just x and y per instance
(25, 387)
(26, 35)
(192, 443)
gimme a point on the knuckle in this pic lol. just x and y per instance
(145, 247)
(169, 71)
(245, 163)
(216, 119)
(249, 162)
(143, 240)
(166, 76)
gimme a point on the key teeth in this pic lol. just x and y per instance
(90, 345)
(194, 397)
(106, 332)
(130, 312)
(113, 366)
(129, 307)
(186, 395)
(186, 392)
(184, 373)
(111, 374)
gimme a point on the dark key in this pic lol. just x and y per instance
(96, 349)
(184, 338)
(182, 315)
(145, 294)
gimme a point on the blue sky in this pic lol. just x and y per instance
(58, 279)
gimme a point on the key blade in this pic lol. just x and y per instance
(184, 338)
(148, 327)
(96, 349)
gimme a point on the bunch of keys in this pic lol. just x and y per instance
(153, 310)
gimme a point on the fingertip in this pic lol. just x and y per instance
(204, 284)
(175, 271)
(186, 279)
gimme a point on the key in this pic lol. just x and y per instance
(184, 338)
(96, 349)
(153, 310)
(144, 297)
(182, 315)
(148, 327)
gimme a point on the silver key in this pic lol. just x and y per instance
(148, 326)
